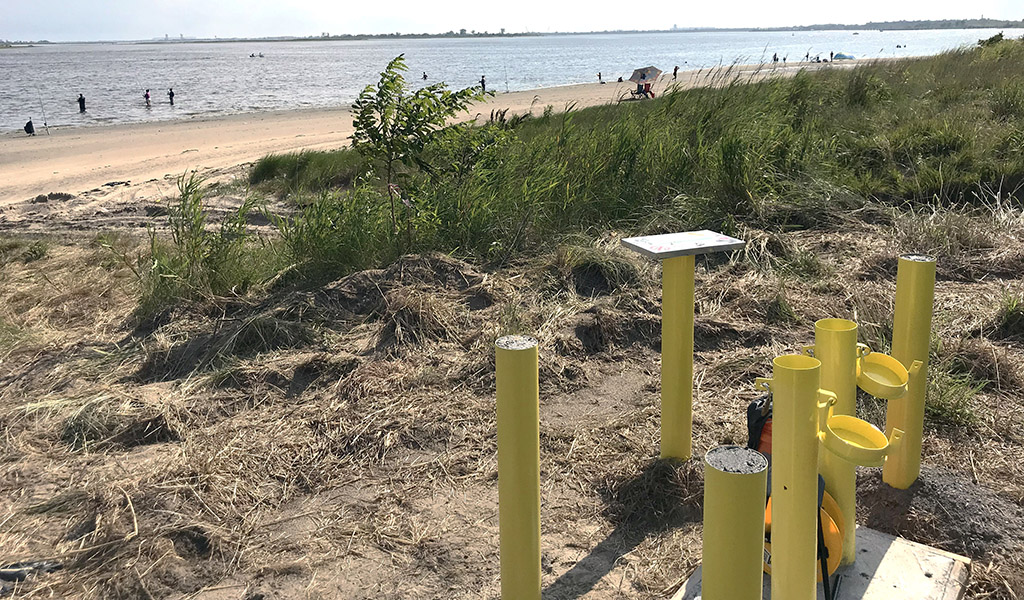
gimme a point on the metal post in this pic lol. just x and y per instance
(911, 340)
(518, 401)
(677, 357)
(795, 414)
(835, 345)
(735, 479)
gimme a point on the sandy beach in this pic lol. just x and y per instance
(118, 165)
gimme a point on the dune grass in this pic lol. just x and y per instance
(773, 153)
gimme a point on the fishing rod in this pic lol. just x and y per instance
(39, 95)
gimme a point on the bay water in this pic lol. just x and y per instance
(43, 82)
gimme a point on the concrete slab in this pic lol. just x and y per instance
(887, 568)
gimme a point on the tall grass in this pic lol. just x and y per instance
(776, 153)
(199, 260)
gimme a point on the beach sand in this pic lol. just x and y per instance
(109, 168)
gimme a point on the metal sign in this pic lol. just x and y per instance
(685, 243)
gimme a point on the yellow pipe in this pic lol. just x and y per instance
(795, 417)
(835, 345)
(518, 466)
(735, 480)
(911, 340)
(903, 461)
(677, 357)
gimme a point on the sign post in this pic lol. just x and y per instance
(676, 251)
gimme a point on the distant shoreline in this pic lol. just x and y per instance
(924, 25)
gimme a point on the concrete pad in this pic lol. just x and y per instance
(887, 568)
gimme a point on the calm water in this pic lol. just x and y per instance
(222, 78)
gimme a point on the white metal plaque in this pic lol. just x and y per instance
(686, 243)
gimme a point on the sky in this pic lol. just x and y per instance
(89, 20)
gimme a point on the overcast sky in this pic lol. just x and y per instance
(66, 20)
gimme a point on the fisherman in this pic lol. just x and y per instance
(170, 95)
(30, 128)
(81, 103)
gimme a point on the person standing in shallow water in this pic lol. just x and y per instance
(483, 84)
(81, 103)
(146, 96)
(170, 95)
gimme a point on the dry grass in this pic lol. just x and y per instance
(340, 442)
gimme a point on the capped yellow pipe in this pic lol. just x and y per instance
(911, 341)
(795, 417)
(735, 481)
(835, 345)
(677, 357)
(518, 466)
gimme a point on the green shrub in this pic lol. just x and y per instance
(198, 261)
(309, 170)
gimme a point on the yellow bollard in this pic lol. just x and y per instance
(518, 466)
(835, 345)
(795, 417)
(911, 340)
(677, 357)
(735, 480)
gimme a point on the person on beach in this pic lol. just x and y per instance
(831, 56)
(675, 72)
(599, 77)
(30, 128)
(775, 57)
(146, 96)
(81, 103)
(170, 95)
(483, 84)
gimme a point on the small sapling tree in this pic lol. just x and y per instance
(394, 125)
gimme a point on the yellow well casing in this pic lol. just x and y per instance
(677, 357)
(795, 411)
(835, 345)
(518, 400)
(911, 341)
(735, 481)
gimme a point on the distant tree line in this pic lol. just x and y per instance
(911, 25)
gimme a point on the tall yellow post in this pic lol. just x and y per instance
(911, 340)
(677, 357)
(735, 479)
(835, 345)
(518, 466)
(794, 386)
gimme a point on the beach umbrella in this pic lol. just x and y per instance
(646, 74)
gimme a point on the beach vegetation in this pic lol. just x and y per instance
(291, 174)
(198, 261)
(393, 126)
(775, 153)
